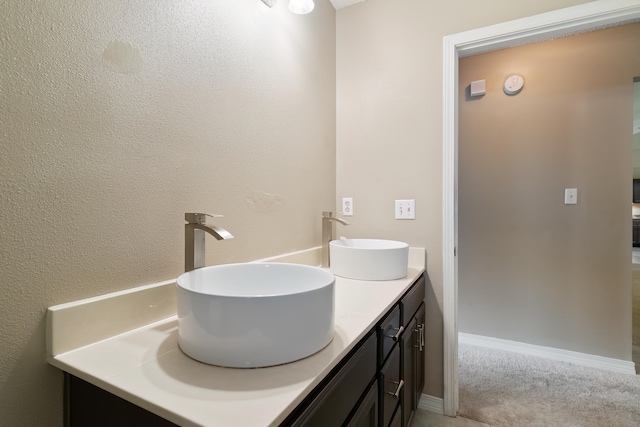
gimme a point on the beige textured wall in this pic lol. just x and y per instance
(531, 268)
(116, 118)
(389, 127)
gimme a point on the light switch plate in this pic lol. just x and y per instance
(570, 196)
(406, 209)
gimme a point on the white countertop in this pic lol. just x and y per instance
(146, 367)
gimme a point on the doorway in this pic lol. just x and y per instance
(572, 20)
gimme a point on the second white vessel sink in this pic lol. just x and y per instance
(368, 259)
(253, 315)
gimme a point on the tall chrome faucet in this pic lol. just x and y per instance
(194, 234)
(328, 219)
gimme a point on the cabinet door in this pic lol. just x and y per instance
(334, 403)
(420, 352)
(413, 359)
(366, 414)
(409, 354)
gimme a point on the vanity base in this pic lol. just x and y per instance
(88, 405)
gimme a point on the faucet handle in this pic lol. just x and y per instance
(199, 218)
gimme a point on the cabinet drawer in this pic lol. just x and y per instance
(389, 333)
(391, 386)
(412, 300)
(334, 403)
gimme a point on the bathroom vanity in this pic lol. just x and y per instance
(371, 374)
(377, 384)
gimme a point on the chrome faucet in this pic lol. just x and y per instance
(194, 234)
(327, 233)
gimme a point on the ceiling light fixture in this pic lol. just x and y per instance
(301, 6)
(269, 3)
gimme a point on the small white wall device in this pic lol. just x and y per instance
(513, 85)
(477, 88)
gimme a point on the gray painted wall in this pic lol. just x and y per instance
(532, 269)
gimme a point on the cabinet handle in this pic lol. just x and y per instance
(396, 394)
(420, 338)
(396, 337)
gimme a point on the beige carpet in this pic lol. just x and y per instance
(505, 389)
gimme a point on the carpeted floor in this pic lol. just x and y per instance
(505, 389)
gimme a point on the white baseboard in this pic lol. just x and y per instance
(583, 359)
(430, 403)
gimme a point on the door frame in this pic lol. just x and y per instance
(577, 19)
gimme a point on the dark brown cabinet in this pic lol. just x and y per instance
(413, 349)
(402, 358)
(389, 332)
(87, 405)
(391, 387)
(332, 403)
(420, 351)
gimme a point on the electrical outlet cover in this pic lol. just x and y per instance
(347, 206)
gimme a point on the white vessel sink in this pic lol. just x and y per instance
(368, 259)
(255, 314)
